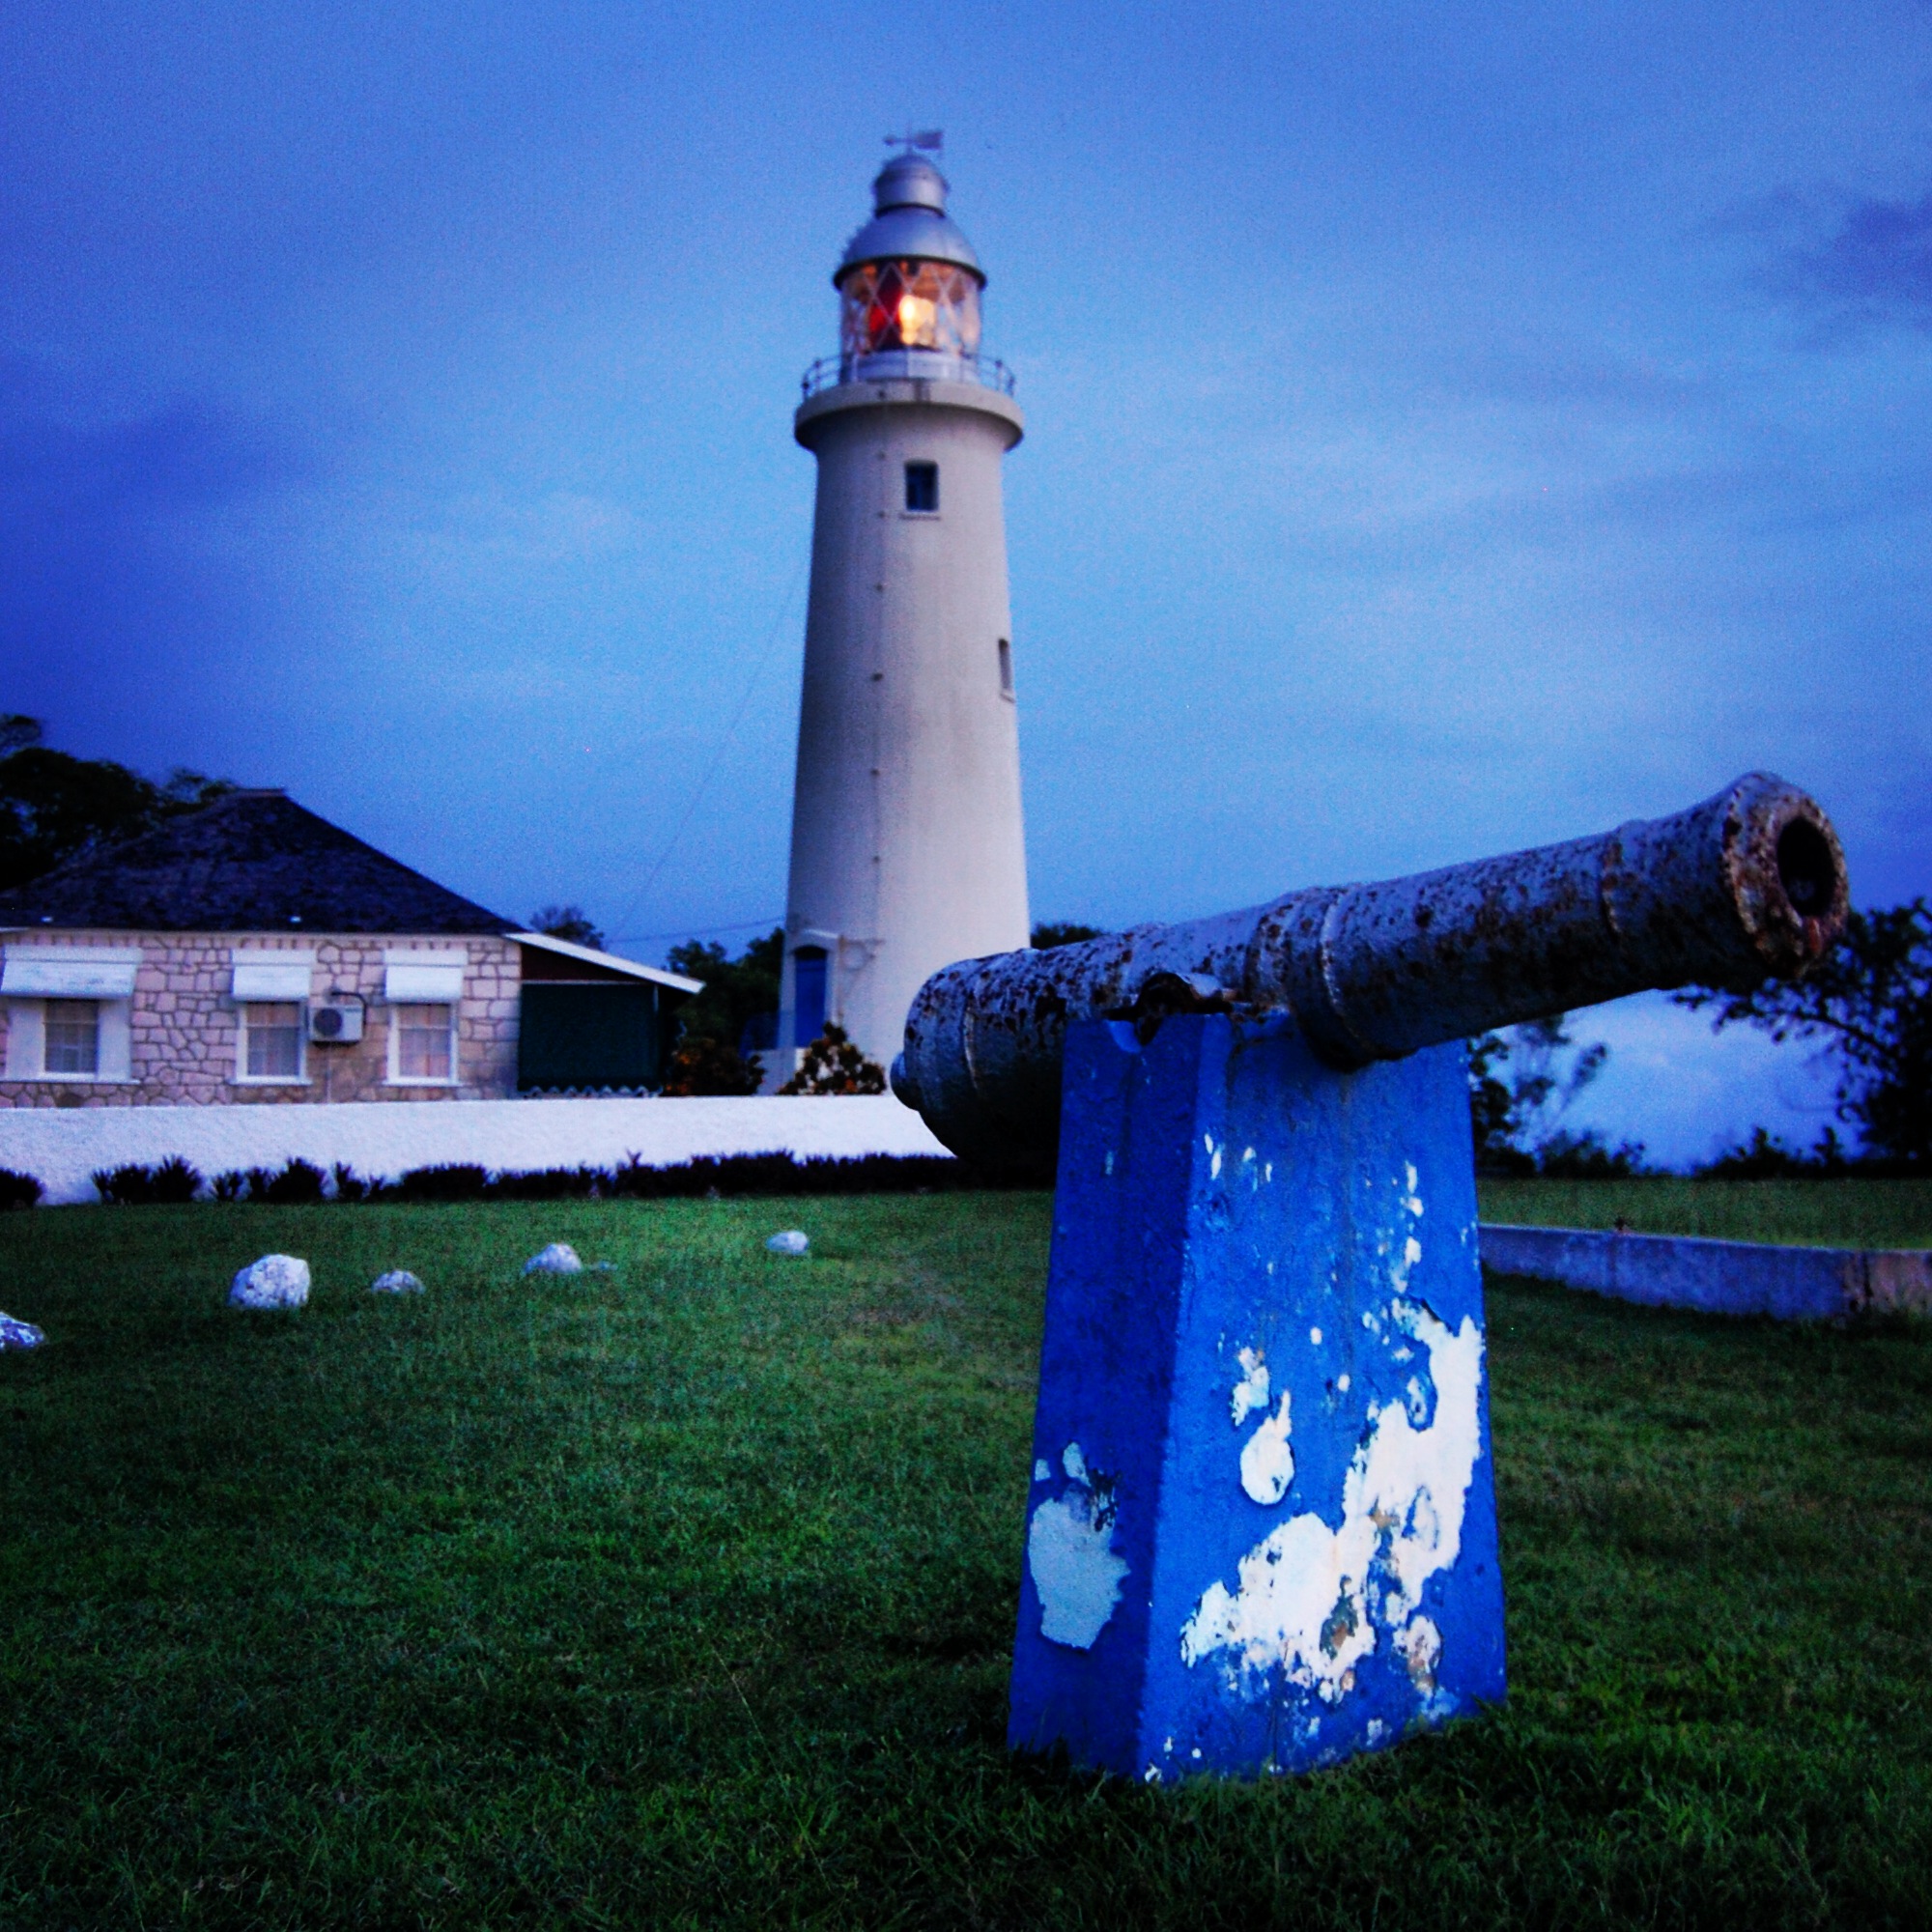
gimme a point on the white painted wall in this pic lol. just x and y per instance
(63, 1145)
(907, 842)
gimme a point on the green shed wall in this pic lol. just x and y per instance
(595, 1035)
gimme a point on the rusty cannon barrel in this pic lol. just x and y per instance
(1747, 886)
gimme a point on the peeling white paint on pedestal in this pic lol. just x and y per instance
(1309, 1599)
(1071, 1553)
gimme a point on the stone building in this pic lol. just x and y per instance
(253, 954)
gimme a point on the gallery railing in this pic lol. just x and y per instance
(901, 364)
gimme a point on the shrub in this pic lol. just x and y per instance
(832, 1065)
(766, 1173)
(703, 1065)
(551, 1183)
(299, 1184)
(454, 1181)
(133, 1186)
(1766, 1158)
(18, 1190)
(175, 1180)
(1586, 1156)
(351, 1185)
(118, 1186)
(1053, 932)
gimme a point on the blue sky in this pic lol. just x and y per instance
(1450, 428)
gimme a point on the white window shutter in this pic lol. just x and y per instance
(70, 972)
(26, 1040)
(411, 977)
(115, 1060)
(272, 975)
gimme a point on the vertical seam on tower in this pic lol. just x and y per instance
(875, 762)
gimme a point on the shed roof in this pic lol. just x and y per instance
(611, 963)
(251, 862)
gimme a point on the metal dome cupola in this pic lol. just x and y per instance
(909, 280)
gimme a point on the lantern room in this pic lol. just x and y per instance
(909, 304)
(909, 282)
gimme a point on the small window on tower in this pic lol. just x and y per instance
(923, 486)
(1005, 668)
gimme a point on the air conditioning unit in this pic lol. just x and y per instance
(335, 1022)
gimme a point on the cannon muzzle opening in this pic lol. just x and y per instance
(1806, 867)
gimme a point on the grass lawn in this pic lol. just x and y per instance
(1812, 1214)
(682, 1595)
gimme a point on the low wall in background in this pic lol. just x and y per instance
(1718, 1277)
(64, 1146)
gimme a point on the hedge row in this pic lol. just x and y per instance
(300, 1183)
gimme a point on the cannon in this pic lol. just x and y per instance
(1747, 886)
(1261, 1530)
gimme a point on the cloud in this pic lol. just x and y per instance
(183, 456)
(1873, 271)
(116, 558)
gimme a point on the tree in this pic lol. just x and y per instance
(1062, 933)
(1766, 1158)
(1520, 1086)
(567, 921)
(736, 991)
(1870, 1001)
(53, 805)
(713, 1054)
(1567, 1154)
(833, 1065)
(1492, 1110)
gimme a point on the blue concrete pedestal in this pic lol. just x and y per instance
(1261, 1530)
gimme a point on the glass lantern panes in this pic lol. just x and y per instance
(886, 306)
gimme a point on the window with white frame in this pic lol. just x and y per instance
(71, 1036)
(271, 1040)
(69, 1011)
(422, 1041)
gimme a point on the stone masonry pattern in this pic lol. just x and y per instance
(185, 1026)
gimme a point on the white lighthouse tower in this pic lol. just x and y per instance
(907, 849)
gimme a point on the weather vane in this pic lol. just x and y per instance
(930, 141)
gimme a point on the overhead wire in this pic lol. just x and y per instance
(641, 895)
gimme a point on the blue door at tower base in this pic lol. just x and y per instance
(1261, 1533)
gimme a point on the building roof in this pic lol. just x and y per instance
(609, 963)
(253, 861)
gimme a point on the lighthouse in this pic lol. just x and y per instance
(907, 848)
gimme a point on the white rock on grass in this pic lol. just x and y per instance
(275, 1281)
(791, 1242)
(560, 1257)
(18, 1334)
(397, 1281)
